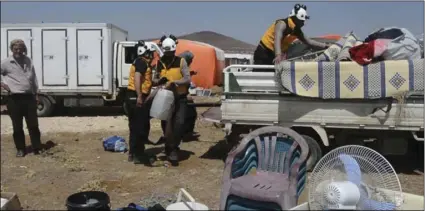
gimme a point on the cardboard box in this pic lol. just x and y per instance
(13, 201)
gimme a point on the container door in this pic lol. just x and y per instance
(89, 57)
(54, 57)
(23, 34)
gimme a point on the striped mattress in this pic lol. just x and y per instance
(349, 80)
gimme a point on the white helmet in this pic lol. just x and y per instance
(150, 46)
(300, 11)
(142, 48)
(168, 43)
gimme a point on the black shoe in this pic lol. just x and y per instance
(173, 157)
(147, 160)
(130, 157)
(20, 153)
(38, 151)
(137, 159)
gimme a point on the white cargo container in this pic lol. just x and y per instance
(77, 64)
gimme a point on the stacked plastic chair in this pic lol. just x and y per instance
(266, 171)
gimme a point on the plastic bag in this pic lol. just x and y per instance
(405, 46)
(115, 144)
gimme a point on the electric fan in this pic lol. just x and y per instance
(354, 177)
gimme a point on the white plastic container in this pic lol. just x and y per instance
(186, 205)
(162, 104)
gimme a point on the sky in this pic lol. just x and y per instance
(246, 21)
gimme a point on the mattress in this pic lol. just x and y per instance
(349, 80)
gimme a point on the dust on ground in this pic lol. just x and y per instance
(76, 161)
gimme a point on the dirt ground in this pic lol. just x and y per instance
(76, 161)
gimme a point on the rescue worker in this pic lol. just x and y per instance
(173, 72)
(139, 87)
(191, 113)
(280, 35)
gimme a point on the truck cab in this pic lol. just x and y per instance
(125, 53)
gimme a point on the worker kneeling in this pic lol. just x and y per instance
(139, 87)
(173, 73)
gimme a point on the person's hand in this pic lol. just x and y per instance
(162, 81)
(193, 72)
(37, 99)
(279, 58)
(170, 85)
(139, 101)
(5, 86)
(327, 45)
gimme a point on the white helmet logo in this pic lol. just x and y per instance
(302, 14)
(300, 11)
(141, 50)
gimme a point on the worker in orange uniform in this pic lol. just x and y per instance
(173, 72)
(139, 87)
(280, 35)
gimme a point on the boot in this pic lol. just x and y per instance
(20, 153)
(38, 151)
(145, 159)
(172, 155)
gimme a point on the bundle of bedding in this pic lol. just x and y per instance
(390, 43)
(387, 64)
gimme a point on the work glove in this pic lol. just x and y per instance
(162, 81)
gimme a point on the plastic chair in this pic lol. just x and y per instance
(278, 155)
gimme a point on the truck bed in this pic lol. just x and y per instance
(255, 98)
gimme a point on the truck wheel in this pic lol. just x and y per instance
(45, 107)
(315, 152)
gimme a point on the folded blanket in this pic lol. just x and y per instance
(339, 50)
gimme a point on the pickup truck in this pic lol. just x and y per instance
(256, 99)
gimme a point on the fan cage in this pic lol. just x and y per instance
(376, 173)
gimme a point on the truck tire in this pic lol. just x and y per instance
(315, 153)
(45, 106)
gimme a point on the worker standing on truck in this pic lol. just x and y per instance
(139, 87)
(19, 79)
(173, 72)
(280, 35)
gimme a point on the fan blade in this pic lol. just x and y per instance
(369, 204)
(352, 168)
